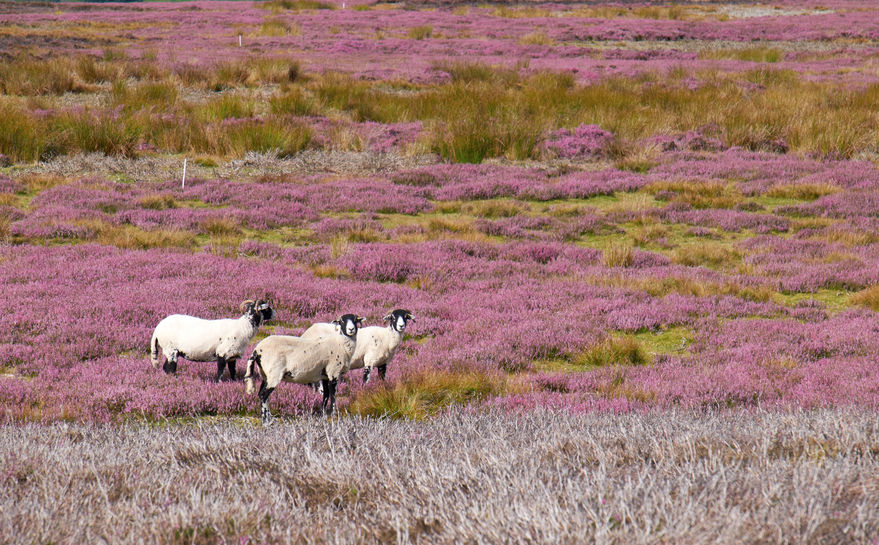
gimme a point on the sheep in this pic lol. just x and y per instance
(304, 361)
(195, 339)
(376, 345)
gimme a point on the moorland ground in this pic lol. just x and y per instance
(655, 217)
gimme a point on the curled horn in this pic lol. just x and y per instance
(243, 306)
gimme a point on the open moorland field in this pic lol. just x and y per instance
(641, 242)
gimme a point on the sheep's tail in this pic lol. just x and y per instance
(154, 351)
(253, 360)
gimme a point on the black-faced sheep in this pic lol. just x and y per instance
(196, 339)
(376, 345)
(303, 361)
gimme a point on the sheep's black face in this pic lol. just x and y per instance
(349, 323)
(265, 310)
(399, 319)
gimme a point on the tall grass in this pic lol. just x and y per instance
(482, 112)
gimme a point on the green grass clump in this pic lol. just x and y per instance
(425, 394)
(420, 32)
(32, 77)
(297, 5)
(618, 255)
(613, 351)
(229, 107)
(279, 27)
(273, 134)
(294, 101)
(21, 136)
(752, 54)
(707, 254)
(146, 96)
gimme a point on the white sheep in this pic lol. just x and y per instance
(304, 361)
(196, 339)
(376, 345)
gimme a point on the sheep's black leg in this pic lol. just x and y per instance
(221, 366)
(230, 363)
(170, 366)
(264, 394)
(381, 371)
(329, 395)
(366, 371)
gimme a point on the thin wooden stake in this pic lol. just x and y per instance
(183, 181)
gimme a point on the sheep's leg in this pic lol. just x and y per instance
(366, 371)
(170, 366)
(230, 363)
(381, 371)
(221, 366)
(264, 394)
(329, 402)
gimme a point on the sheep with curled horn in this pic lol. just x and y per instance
(303, 361)
(197, 339)
(376, 345)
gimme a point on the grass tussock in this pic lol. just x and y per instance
(132, 238)
(31, 77)
(868, 298)
(426, 394)
(536, 38)
(698, 194)
(421, 32)
(623, 350)
(329, 271)
(750, 54)
(492, 209)
(808, 192)
(481, 112)
(279, 27)
(296, 5)
(618, 255)
(714, 255)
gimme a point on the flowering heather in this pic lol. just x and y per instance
(656, 221)
(585, 141)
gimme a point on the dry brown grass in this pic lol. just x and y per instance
(868, 298)
(707, 254)
(803, 191)
(330, 271)
(504, 208)
(618, 255)
(130, 237)
(696, 193)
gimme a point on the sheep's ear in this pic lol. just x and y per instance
(244, 306)
(337, 322)
(388, 318)
(410, 317)
(359, 321)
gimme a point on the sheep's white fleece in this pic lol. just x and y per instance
(294, 359)
(197, 339)
(376, 345)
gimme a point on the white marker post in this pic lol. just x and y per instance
(239, 39)
(183, 181)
